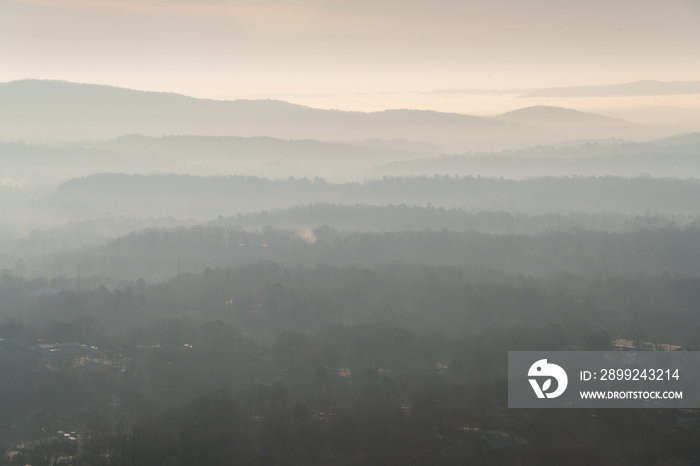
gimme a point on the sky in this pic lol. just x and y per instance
(342, 51)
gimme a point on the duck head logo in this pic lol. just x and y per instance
(541, 374)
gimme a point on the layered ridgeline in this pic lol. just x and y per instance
(158, 254)
(588, 226)
(33, 165)
(69, 111)
(206, 198)
(42, 110)
(669, 157)
(51, 131)
(47, 164)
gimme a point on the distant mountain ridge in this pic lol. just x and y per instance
(46, 110)
(636, 88)
(546, 111)
(572, 123)
(65, 111)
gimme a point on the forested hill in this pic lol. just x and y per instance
(157, 254)
(266, 364)
(672, 157)
(47, 164)
(208, 197)
(372, 218)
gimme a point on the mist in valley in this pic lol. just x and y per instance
(262, 234)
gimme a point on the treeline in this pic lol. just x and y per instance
(263, 364)
(417, 218)
(440, 428)
(156, 254)
(44, 165)
(673, 157)
(367, 218)
(208, 197)
(265, 299)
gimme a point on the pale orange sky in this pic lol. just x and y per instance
(343, 51)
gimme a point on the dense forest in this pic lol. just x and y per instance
(154, 254)
(215, 320)
(264, 364)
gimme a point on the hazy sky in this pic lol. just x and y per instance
(231, 49)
